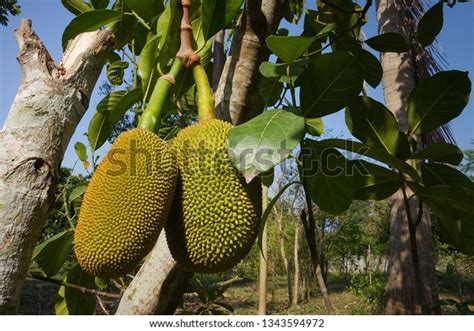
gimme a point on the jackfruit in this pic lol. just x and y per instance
(126, 204)
(215, 217)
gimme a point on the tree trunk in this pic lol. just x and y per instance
(262, 275)
(240, 77)
(296, 285)
(402, 294)
(251, 47)
(218, 59)
(49, 104)
(288, 270)
(157, 287)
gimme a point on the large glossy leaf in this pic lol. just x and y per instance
(441, 152)
(430, 25)
(372, 123)
(389, 42)
(284, 72)
(371, 152)
(269, 90)
(217, 14)
(147, 63)
(373, 182)
(115, 72)
(146, 9)
(123, 28)
(261, 143)
(76, 6)
(168, 28)
(441, 174)
(372, 67)
(52, 253)
(330, 83)
(109, 111)
(457, 197)
(77, 193)
(89, 21)
(327, 173)
(71, 301)
(437, 100)
(290, 48)
(100, 4)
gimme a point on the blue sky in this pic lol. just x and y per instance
(50, 18)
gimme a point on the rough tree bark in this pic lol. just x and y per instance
(240, 77)
(398, 82)
(248, 51)
(49, 104)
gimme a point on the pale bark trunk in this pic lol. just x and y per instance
(218, 59)
(239, 80)
(262, 275)
(401, 292)
(49, 104)
(248, 52)
(157, 287)
(296, 280)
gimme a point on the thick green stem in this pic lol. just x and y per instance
(151, 117)
(205, 98)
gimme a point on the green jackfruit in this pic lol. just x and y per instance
(215, 217)
(126, 204)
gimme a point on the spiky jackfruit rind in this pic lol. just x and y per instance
(215, 217)
(126, 204)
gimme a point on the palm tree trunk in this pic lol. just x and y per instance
(411, 276)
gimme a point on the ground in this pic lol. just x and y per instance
(39, 297)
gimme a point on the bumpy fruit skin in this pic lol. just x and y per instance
(215, 217)
(126, 204)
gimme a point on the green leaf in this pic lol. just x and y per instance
(146, 9)
(389, 42)
(168, 28)
(52, 253)
(81, 151)
(326, 171)
(101, 283)
(372, 67)
(329, 83)
(457, 197)
(123, 28)
(373, 182)
(441, 152)
(430, 25)
(269, 90)
(147, 62)
(77, 193)
(261, 143)
(440, 174)
(284, 72)
(372, 123)
(76, 6)
(314, 126)
(89, 21)
(115, 72)
(372, 152)
(267, 212)
(100, 4)
(437, 100)
(289, 49)
(268, 177)
(71, 301)
(217, 14)
(110, 110)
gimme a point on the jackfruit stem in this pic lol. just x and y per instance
(151, 118)
(186, 52)
(205, 98)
